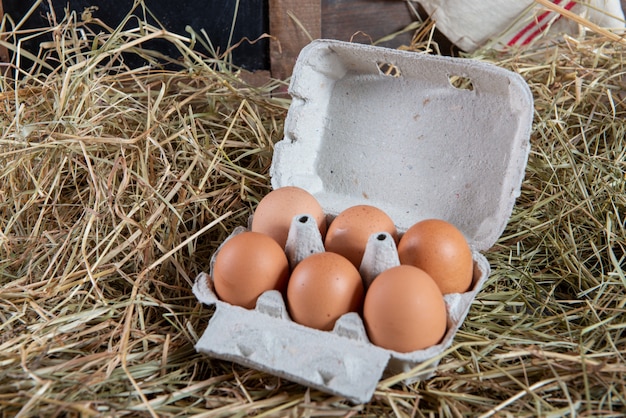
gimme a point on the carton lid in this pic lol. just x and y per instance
(417, 135)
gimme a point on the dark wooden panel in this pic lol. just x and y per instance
(293, 24)
(4, 53)
(213, 16)
(366, 21)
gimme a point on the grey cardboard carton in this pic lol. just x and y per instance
(418, 136)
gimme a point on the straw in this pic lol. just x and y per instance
(117, 184)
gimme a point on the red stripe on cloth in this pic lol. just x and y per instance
(533, 35)
(531, 25)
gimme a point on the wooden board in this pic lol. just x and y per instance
(366, 21)
(216, 18)
(293, 24)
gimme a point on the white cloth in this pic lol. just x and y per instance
(471, 24)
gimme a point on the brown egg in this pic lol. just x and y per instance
(404, 310)
(441, 250)
(274, 213)
(349, 231)
(247, 265)
(323, 287)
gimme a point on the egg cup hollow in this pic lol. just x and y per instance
(266, 338)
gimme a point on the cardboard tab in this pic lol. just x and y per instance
(347, 367)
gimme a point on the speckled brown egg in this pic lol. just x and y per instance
(440, 249)
(349, 231)
(404, 310)
(275, 212)
(247, 265)
(323, 287)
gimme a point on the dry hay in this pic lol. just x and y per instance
(116, 185)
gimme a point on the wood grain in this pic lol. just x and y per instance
(293, 24)
(365, 21)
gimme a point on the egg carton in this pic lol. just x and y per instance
(416, 135)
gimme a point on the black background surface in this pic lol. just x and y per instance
(213, 16)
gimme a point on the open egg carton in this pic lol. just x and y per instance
(416, 135)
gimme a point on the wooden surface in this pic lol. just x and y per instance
(365, 21)
(293, 24)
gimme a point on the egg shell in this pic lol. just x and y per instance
(349, 232)
(404, 310)
(247, 265)
(275, 211)
(323, 287)
(440, 249)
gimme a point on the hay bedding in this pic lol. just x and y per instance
(116, 185)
